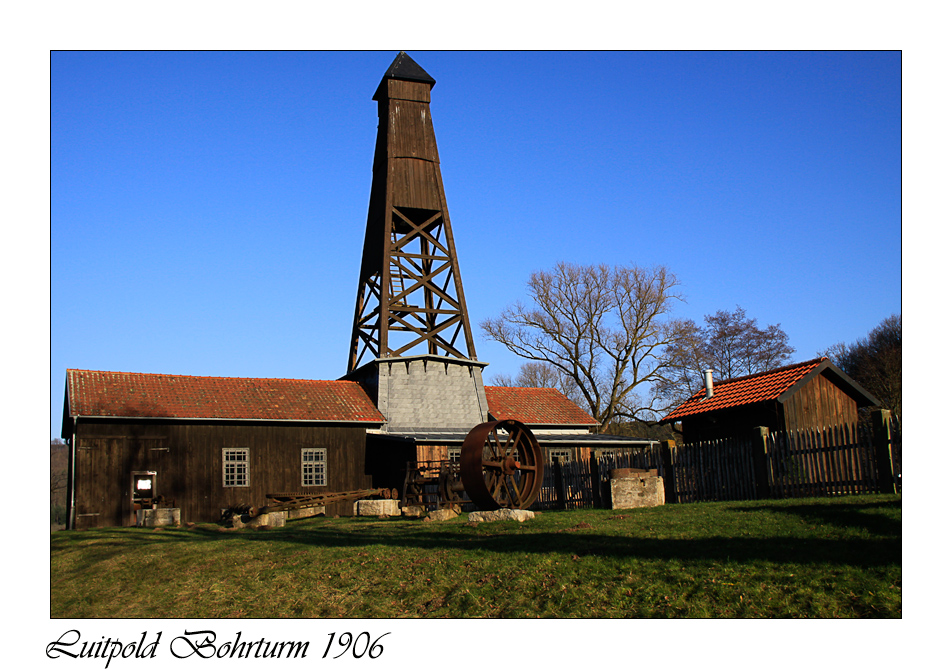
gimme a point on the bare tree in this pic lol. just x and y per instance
(731, 344)
(58, 459)
(502, 380)
(875, 362)
(539, 375)
(602, 330)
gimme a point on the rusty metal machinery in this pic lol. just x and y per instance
(449, 484)
(286, 501)
(501, 465)
(424, 484)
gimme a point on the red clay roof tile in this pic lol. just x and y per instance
(745, 390)
(122, 394)
(535, 406)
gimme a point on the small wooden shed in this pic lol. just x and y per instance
(812, 394)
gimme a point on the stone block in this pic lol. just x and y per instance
(442, 514)
(637, 491)
(294, 514)
(158, 517)
(377, 507)
(268, 520)
(520, 515)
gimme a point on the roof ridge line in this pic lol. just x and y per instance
(224, 378)
(776, 370)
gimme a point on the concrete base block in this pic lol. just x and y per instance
(414, 511)
(520, 515)
(269, 520)
(158, 517)
(377, 507)
(637, 491)
(294, 514)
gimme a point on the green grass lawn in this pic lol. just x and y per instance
(826, 558)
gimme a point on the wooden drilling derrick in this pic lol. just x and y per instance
(410, 295)
(412, 345)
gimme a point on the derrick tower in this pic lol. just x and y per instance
(410, 295)
(411, 344)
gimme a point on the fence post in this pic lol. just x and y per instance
(882, 443)
(758, 453)
(667, 463)
(596, 481)
(559, 482)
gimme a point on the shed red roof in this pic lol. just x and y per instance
(121, 394)
(535, 406)
(746, 390)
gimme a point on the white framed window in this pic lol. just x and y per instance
(313, 466)
(235, 463)
(454, 453)
(564, 454)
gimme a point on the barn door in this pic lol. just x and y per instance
(143, 492)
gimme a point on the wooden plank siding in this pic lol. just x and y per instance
(187, 459)
(411, 144)
(819, 403)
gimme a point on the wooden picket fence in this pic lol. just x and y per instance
(585, 484)
(843, 460)
(709, 471)
(836, 461)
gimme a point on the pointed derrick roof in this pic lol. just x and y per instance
(404, 67)
(777, 384)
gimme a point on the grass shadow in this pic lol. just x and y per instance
(851, 516)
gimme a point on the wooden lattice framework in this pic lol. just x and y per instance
(410, 295)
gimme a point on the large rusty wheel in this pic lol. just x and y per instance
(501, 465)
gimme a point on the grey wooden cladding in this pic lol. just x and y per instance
(187, 459)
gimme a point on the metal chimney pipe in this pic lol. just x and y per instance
(708, 384)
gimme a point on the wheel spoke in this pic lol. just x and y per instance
(508, 488)
(494, 444)
(498, 481)
(510, 441)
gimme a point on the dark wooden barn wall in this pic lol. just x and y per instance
(731, 422)
(188, 462)
(818, 404)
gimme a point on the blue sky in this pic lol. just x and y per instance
(208, 209)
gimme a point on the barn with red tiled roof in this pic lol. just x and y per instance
(97, 394)
(537, 408)
(204, 444)
(811, 394)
